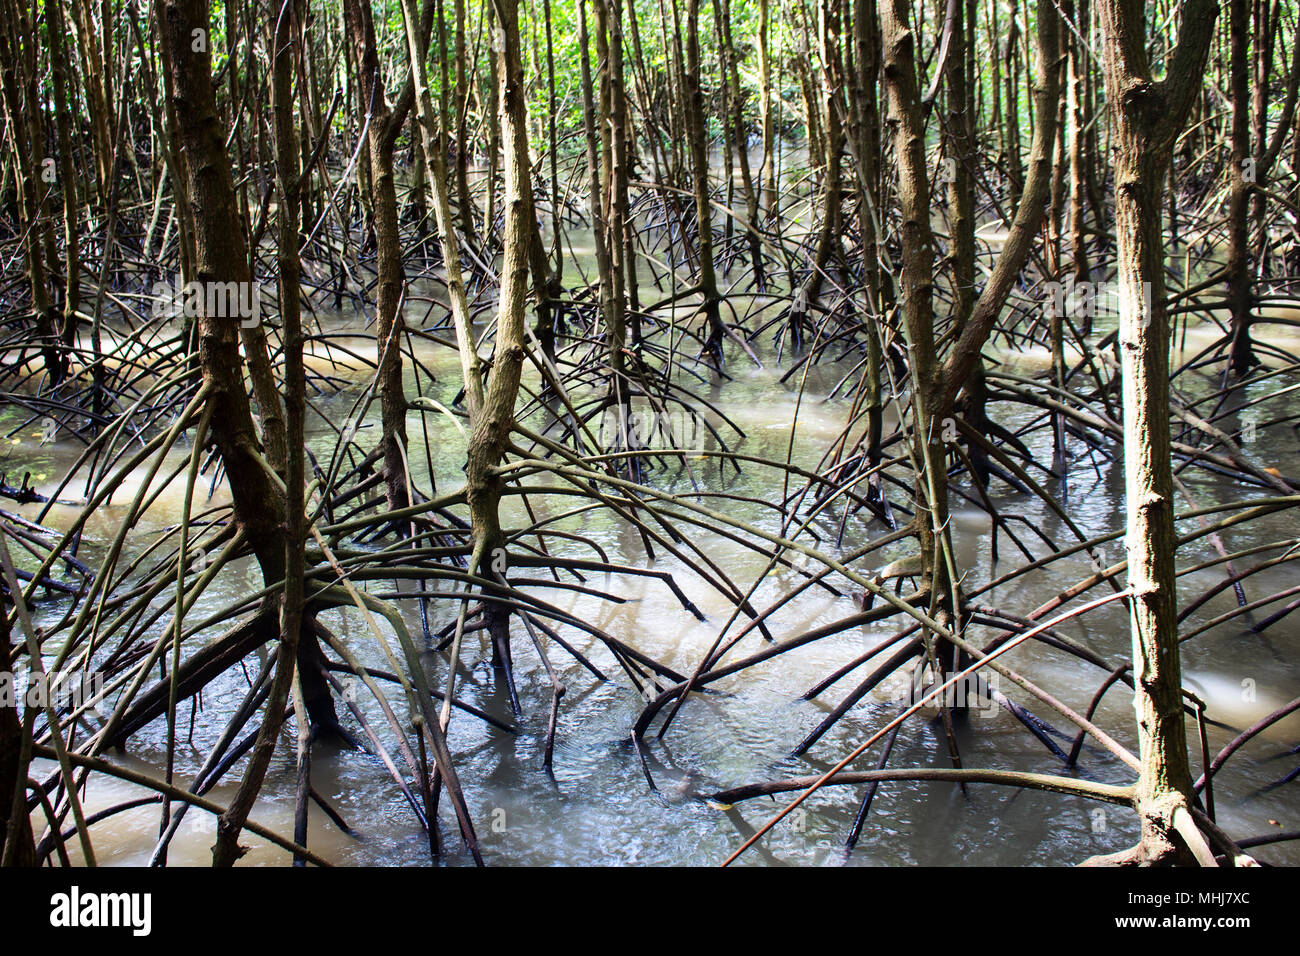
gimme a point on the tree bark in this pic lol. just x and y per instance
(491, 428)
(17, 843)
(964, 359)
(382, 126)
(220, 256)
(1147, 117)
(1240, 305)
(917, 301)
(694, 109)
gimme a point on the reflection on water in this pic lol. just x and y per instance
(596, 808)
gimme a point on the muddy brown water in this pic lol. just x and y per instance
(595, 806)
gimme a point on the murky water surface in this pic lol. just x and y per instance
(595, 806)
